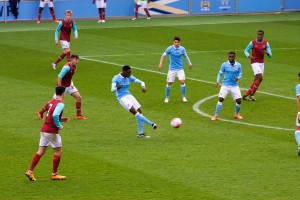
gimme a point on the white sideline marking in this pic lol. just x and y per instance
(197, 110)
(196, 105)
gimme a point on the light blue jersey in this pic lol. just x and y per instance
(125, 83)
(230, 71)
(176, 57)
(298, 90)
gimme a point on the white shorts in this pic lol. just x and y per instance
(258, 68)
(49, 138)
(64, 44)
(100, 4)
(70, 90)
(233, 90)
(46, 2)
(172, 75)
(129, 101)
(143, 4)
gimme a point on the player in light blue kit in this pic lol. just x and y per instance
(120, 85)
(175, 67)
(232, 71)
(297, 131)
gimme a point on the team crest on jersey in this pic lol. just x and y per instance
(264, 46)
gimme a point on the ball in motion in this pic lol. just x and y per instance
(176, 122)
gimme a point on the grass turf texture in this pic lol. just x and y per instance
(102, 158)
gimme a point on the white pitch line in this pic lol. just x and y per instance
(196, 105)
(190, 52)
(197, 110)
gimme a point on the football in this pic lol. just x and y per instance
(176, 122)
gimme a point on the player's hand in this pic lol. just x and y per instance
(76, 38)
(65, 119)
(236, 79)
(119, 87)
(61, 127)
(190, 67)
(40, 116)
(251, 57)
(160, 67)
(217, 84)
(56, 42)
(144, 89)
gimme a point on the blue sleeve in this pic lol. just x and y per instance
(64, 71)
(220, 73)
(246, 51)
(57, 31)
(187, 58)
(240, 72)
(58, 109)
(298, 90)
(132, 78)
(75, 29)
(268, 48)
(167, 52)
(114, 84)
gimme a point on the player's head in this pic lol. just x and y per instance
(176, 41)
(126, 71)
(59, 90)
(231, 56)
(74, 59)
(260, 34)
(299, 76)
(68, 15)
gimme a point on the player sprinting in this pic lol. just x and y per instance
(120, 85)
(144, 5)
(65, 27)
(101, 6)
(297, 129)
(65, 79)
(232, 71)
(259, 47)
(176, 52)
(50, 4)
(50, 134)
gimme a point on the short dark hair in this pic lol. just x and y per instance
(176, 38)
(59, 90)
(261, 31)
(75, 56)
(231, 52)
(126, 67)
(299, 74)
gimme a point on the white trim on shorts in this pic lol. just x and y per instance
(64, 44)
(258, 68)
(129, 101)
(297, 123)
(54, 140)
(233, 90)
(173, 73)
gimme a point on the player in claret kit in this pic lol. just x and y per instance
(101, 5)
(143, 4)
(232, 71)
(65, 79)
(50, 134)
(259, 47)
(50, 4)
(65, 27)
(120, 85)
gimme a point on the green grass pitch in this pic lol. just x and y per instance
(102, 157)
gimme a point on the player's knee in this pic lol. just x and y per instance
(221, 99)
(78, 98)
(41, 9)
(51, 8)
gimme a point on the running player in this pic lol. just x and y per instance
(175, 67)
(101, 5)
(65, 79)
(232, 71)
(50, 4)
(65, 27)
(259, 47)
(50, 134)
(120, 85)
